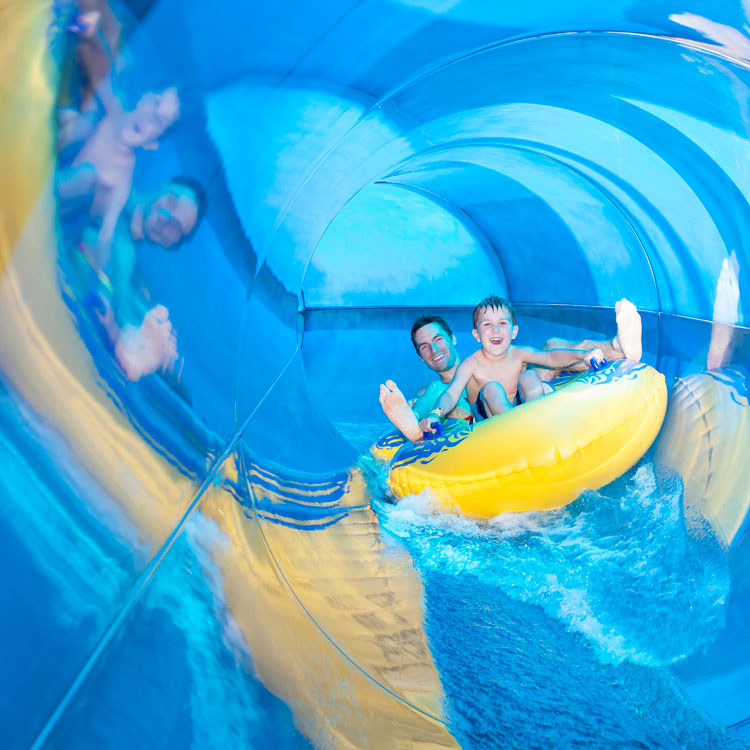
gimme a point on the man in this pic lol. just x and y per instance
(143, 339)
(436, 347)
(435, 344)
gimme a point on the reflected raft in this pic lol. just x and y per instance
(543, 454)
(705, 439)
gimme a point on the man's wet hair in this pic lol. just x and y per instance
(496, 303)
(425, 320)
(194, 186)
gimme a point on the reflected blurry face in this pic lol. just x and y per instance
(153, 114)
(436, 348)
(495, 330)
(171, 217)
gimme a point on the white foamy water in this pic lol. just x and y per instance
(616, 566)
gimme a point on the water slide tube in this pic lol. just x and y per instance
(194, 559)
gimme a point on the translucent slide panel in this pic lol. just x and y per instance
(332, 615)
(86, 499)
(302, 512)
(177, 672)
(269, 338)
(411, 247)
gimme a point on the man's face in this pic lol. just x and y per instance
(436, 349)
(171, 217)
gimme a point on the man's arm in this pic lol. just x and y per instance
(449, 398)
(423, 403)
(559, 359)
(417, 398)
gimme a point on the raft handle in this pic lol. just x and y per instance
(430, 435)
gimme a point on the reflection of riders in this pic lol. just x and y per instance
(725, 314)
(707, 428)
(142, 338)
(111, 153)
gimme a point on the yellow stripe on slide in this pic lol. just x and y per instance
(26, 97)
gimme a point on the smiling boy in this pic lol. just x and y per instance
(111, 152)
(496, 374)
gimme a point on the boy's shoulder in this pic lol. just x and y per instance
(521, 352)
(473, 359)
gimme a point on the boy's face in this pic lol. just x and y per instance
(436, 348)
(495, 331)
(153, 114)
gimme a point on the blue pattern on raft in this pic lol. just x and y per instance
(426, 450)
(390, 440)
(735, 381)
(622, 369)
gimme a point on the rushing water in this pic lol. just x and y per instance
(558, 627)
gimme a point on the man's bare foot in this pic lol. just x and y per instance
(399, 412)
(628, 339)
(725, 313)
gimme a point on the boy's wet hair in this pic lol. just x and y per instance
(496, 303)
(425, 320)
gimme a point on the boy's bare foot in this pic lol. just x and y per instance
(725, 315)
(148, 348)
(628, 339)
(399, 412)
(157, 330)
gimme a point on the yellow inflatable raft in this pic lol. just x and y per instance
(539, 455)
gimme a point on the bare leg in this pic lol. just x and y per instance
(399, 412)
(531, 386)
(625, 345)
(629, 330)
(495, 399)
(725, 315)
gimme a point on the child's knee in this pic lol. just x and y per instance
(494, 392)
(530, 385)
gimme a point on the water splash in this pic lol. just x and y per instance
(617, 566)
